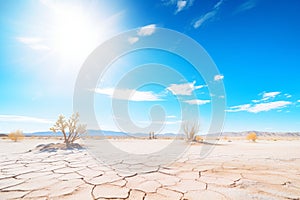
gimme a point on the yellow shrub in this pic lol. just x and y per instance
(252, 136)
(16, 135)
(198, 138)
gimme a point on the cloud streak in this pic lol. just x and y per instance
(197, 102)
(268, 106)
(218, 77)
(133, 40)
(262, 105)
(142, 32)
(184, 89)
(33, 43)
(128, 94)
(147, 30)
(268, 95)
(180, 4)
(20, 118)
(208, 16)
(246, 6)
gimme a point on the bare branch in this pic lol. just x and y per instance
(190, 130)
(70, 128)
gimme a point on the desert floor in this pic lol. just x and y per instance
(233, 170)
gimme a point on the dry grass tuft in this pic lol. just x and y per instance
(16, 135)
(252, 136)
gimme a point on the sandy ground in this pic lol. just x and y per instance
(233, 170)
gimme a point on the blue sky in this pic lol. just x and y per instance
(254, 43)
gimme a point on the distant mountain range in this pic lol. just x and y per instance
(145, 135)
(259, 134)
(106, 133)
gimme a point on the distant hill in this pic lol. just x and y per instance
(145, 135)
(260, 134)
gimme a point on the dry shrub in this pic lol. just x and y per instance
(71, 129)
(198, 138)
(190, 130)
(16, 135)
(252, 136)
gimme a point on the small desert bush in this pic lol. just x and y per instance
(198, 138)
(252, 136)
(190, 130)
(16, 135)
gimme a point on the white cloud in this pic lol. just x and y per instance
(218, 77)
(246, 6)
(171, 116)
(287, 95)
(199, 87)
(265, 104)
(239, 108)
(256, 108)
(209, 15)
(298, 101)
(197, 102)
(183, 89)
(204, 18)
(29, 40)
(162, 122)
(19, 118)
(180, 5)
(33, 42)
(147, 30)
(268, 95)
(255, 101)
(268, 106)
(218, 4)
(128, 94)
(39, 47)
(133, 40)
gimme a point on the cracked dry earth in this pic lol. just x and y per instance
(236, 170)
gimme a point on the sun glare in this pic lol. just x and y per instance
(75, 33)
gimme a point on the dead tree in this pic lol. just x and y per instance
(70, 128)
(190, 130)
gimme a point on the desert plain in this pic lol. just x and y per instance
(234, 169)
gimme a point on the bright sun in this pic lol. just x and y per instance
(75, 35)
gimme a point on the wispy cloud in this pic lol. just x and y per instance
(197, 102)
(209, 15)
(268, 95)
(287, 95)
(171, 116)
(128, 94)
(33, 43)
(19, 118)
(184, 89)
(256, 108)
(239, 108)
(268, 106)
(180, 4)
(218, 77)
(246, 6)
(142, 32)
(147, 30)
(267, 103)
(162, 122)
(133, 40)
